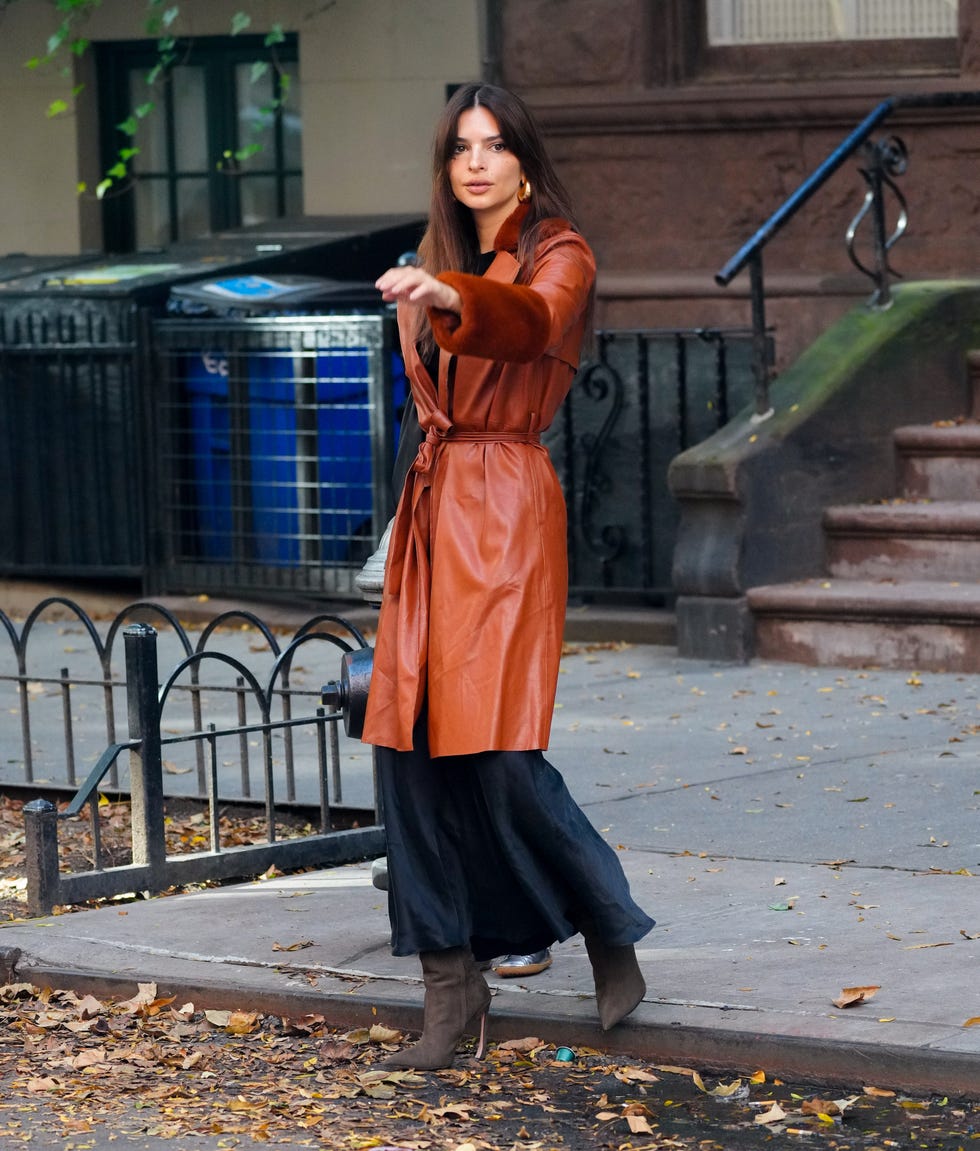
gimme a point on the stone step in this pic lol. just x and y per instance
(929, 625)
(922, 540)
(939, 462)
(973, 372)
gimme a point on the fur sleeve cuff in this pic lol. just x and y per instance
(508, 322)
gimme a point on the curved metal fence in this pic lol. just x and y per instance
(237, 719)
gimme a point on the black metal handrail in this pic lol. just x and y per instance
(883, 160)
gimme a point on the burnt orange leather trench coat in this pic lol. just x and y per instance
(477, 573)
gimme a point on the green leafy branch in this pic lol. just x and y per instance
(161, 23)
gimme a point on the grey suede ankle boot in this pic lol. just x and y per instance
(619, 986)
(456, 998)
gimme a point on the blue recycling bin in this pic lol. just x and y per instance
(282, 459)
(308, 469)
(209, 440)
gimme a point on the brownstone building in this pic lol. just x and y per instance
(679, 127)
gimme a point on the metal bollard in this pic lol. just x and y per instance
(41, 856)
(349, 694)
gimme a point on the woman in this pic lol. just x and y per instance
(488, 854)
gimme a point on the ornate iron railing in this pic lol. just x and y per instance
(882, 160)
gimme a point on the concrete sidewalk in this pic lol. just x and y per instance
(794, 831)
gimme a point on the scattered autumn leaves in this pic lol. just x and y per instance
(152, 1067)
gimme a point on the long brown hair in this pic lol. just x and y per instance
(450, 242)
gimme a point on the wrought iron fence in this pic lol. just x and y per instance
(260, 459)
(645, 396)
(220, 729)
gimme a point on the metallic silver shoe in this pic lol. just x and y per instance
(379, 873)
(510, 966)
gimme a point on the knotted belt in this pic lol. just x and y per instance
(422, 465)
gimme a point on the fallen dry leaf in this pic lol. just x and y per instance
(242, 1022)
(380, 1034)
(520, 1045)
(334, 1052)
(773, 1115)
(638, 1117)
(721, 1090)
(819, 1107)
(146, 995)
(635, 1075)
(849, 996)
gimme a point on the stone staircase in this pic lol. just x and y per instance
(903, 582)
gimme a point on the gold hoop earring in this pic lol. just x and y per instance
(524, 190)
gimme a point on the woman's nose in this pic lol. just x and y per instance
(476, 158)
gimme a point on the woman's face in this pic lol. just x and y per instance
(483, 173)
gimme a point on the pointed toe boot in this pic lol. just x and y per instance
(619, 986)
(457, 998)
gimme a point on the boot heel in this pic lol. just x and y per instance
(481, 1043)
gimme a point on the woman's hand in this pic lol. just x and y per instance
(415, 286)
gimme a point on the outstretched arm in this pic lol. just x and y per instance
(415, 286)
(518, 322)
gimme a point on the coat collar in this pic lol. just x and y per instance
(510, 230)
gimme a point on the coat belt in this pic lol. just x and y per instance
(484, 437)
(434, 437)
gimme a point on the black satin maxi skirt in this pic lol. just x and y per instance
(491, 851)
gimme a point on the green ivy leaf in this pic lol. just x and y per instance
(141, 111)
(102, 187)
(55, 108)
(130, 126)
(118, 171)
(79, 45)
(170, 15)
(128, 153)
(259, 69)
(274, 36)
(58, 38)
(239, 22)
